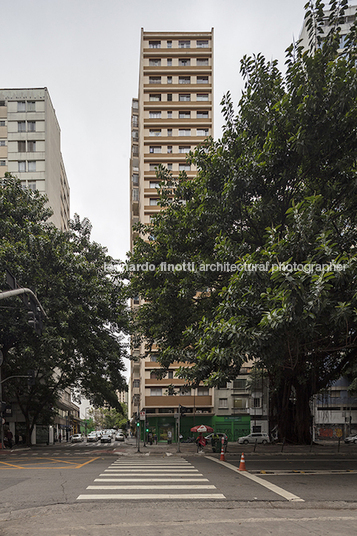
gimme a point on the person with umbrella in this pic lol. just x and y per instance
(200, 440)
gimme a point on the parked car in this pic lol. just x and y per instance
(92, 437)
(77, 438)
(106, 438)
(351, 439)
(119, 436)
(256, 437)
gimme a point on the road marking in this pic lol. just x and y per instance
(141, 471)
(86, 463)
(161, 486)
(152, 496)
(151, 480)
(272, 487)
(148, 474)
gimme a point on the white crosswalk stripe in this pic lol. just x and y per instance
(151, 479)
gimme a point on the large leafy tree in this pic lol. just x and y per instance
(279, 187)
(81, 344)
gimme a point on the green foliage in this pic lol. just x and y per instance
(81, 345)
(110, 418)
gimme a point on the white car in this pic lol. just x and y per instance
(351, 439)
(76, 438)
(256, 437)
(119, 436)
(92, 437)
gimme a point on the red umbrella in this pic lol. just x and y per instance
(202, 428)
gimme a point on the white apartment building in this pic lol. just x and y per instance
(30, 147)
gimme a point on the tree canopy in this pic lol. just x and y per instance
(81, 345)
(267, 232)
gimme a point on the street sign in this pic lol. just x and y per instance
(142, 415)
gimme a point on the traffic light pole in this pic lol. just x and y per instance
(178, 429)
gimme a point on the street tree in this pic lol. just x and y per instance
(279, 188)
(81, 346)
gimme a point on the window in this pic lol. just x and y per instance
(153, 202)
(202, 132)
(153, 358)
(154, 79)
(239, 384)
(184, 132)
(223, 402)
(135, 121)
(155, 148)
(203, 43)
(21, 126)
(203, 391)
(185, 98)
(169, 131)
(2, 124)
(21, 166)
(155, 132)
(155, 63)
(31, 165)
(257, 402)
(156, 391)
(135, 150)
(31, 185)
(169, 97)
(170, 374)
(169, 62)
(184, 115)
(153, 167)
(202, 61)
(169, 115)
(169, 149)
(135, 178)
(202, 96)
(2, 162)
(31, 146)
(154, 44)
(185, 391)
(184, 167)
(153, 375)
(31, 106)
(21, 106)
(2, 103)
(135, 194)
(239, 403)
(136, 383)
(169, 167)
(184, 80)
(2, 143)
(202, 79)
(154, 184)
(155, 115)
(155, 97)
(31, 126)
(169, 79)
(184, 44)
(21, 146)
(184, 62)
(135, 135)
(135, 105)
(169, 44)
(202, 115)
(184, 149)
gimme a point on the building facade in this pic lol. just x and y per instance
(30, 147)
(172, 114)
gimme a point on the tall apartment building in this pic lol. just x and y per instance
(30, 147)
(171, 116)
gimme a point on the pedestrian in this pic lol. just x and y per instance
(169, 437)
(9, 437)
(155, 439)
(201, 442)
(59, 437)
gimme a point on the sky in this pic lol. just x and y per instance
(86, 52)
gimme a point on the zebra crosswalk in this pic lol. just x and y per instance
(140, 479)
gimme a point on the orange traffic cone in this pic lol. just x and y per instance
(242, 463)
(222, 458)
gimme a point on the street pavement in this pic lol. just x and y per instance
(96, 490)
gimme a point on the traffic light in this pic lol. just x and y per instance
(146, 426)
(138, 423)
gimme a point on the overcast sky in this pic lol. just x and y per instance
(86, 52)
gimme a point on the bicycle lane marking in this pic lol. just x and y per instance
(272, 487)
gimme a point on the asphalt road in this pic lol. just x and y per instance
(94, 490)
